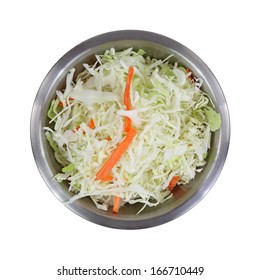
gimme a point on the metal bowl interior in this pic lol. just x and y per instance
(185, 197)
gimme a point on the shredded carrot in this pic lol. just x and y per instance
(91, 124)
(116, 155)
(173, 182)
(127, 124)
(108, 178)
(76, 128)
(190, 76)
(109, 138)
(60, 104)
(127, 100)
(116, 204)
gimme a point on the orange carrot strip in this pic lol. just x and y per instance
(60, 104)
(127, 100)
(127, 124)
(190, 76)
(77, 128)
(108, 178)
(91, 124)
(173, 182)
(116, 155)
(116, 204)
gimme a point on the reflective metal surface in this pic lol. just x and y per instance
(157, 46)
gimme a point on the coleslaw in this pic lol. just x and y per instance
(173, 117)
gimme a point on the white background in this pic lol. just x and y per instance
(38, 234)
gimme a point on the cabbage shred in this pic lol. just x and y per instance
(173, 116)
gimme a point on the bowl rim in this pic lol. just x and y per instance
(125, 35)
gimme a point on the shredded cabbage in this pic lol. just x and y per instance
(173, 116)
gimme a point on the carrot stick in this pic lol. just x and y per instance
(190, 76)
(173, 182)
(91, 124)
(127, 100)
(116, 155)
(108, 178)
(127, 124)
(60, 104)
(116, 204)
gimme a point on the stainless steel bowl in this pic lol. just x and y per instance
(157, 46)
